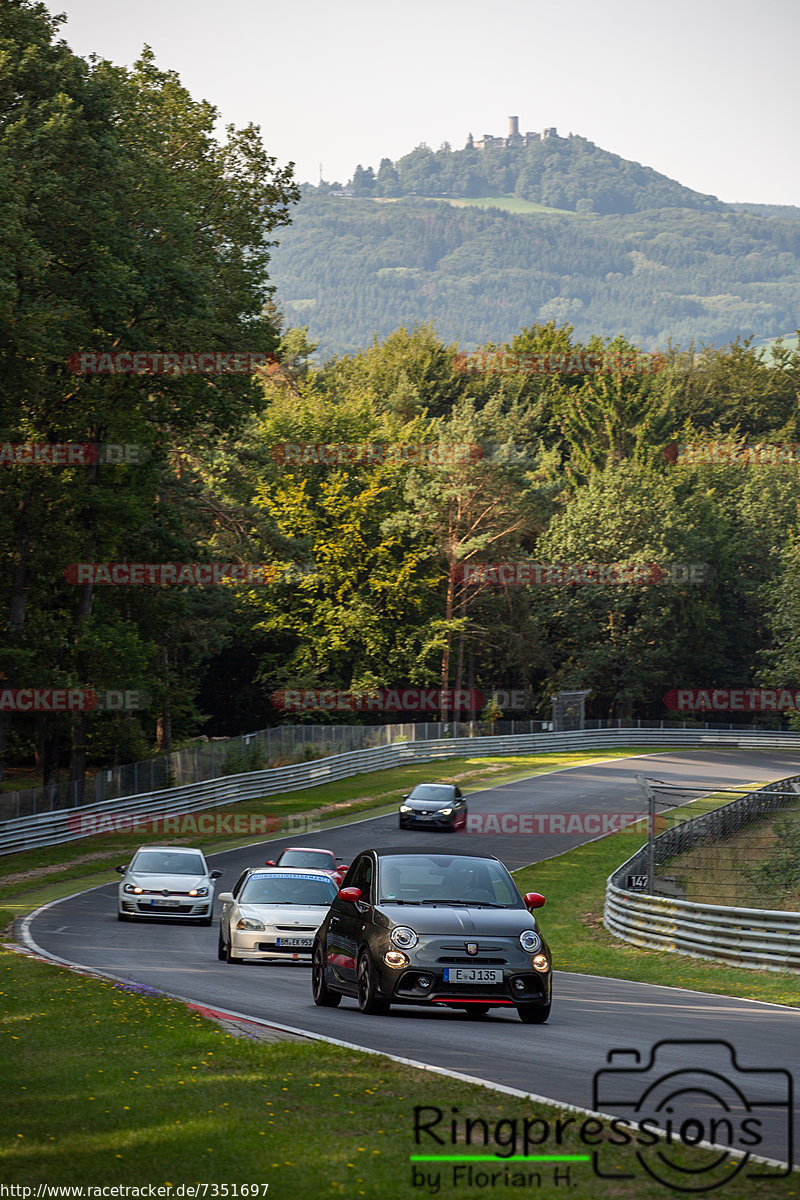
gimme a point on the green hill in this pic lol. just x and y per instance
(567, 173)
(349, 267)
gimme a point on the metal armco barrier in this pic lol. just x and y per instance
(759, 938)
(53, 828)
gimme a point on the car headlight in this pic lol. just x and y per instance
(405, 808)
(445, 812)
(249, 923)
(130, 887)
(404, 936)
(540, 962)
(202, 891)
(530, 941)
(394, 958)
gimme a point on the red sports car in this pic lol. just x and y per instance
(310, 857)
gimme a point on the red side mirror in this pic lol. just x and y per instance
(343, 869)
(534, 900)
(270, 863)
(350, 893)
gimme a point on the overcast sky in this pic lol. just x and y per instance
(705, 91)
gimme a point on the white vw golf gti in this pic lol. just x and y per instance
(167, 881)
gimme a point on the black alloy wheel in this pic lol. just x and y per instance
(368, 1002)
(533, 1014)
(323, 996)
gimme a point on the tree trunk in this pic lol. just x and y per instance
(445, 705)
(47, 750)
(462, 605)
(164, 720)
(18, 604)
(80, 721)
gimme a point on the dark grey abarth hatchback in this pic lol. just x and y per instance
(419, 927)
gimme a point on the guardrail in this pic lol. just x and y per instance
(758, 938)
(280, 745)
(63, 825)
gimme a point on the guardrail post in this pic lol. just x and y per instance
(651, 831)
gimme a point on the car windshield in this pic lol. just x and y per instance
(166, 862)
(287, 889)
(321, 859)
(446, 879)
(432, 791)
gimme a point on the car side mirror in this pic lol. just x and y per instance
(214, 874)
(534, 900)
(225, 897)
(120, 870)
(343, 867)
(270, 863)
(406, 795)
(353, 894)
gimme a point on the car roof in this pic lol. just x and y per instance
(430, 851)
(172, 849)
(305, 849)
(289, 871)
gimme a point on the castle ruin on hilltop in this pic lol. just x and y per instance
(514, 138)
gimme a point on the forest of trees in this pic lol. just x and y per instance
(365, 555)
(570, 173)
(351, 268)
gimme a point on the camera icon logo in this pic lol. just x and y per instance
(695, 1093)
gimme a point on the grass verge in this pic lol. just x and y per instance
(107, 1086)
(512, 204)
(574, 885)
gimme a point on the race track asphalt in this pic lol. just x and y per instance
(591, 1016)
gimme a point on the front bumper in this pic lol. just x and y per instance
(517, 987)
(427, 820)
(520, 982)
(264, 944)
(154, 906)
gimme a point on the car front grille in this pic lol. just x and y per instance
(471, 960)
(166, 909)
(160, 892)
(485, 946)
